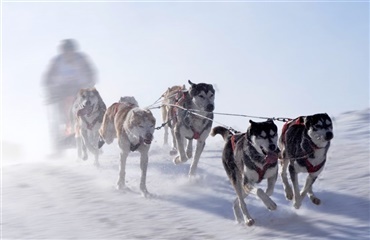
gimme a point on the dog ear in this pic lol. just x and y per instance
(307, 121)
(192, 89)
(211, 88)
(251, 122)
(191, 83)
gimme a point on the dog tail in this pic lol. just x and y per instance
(224, 132)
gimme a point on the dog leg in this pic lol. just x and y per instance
(181, 158)
(242, 206)
(189, 149)
(313, 198)
(173, 151)
(294, 177)
(271, 184)
(271, 205)
(237, 211)
(287, 188)
(122, 170)
(165, 119)
(307, 189)
(198, 151)
(79, 146)
(144, 167)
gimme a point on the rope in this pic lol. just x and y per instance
(193, 111)
(282, 119)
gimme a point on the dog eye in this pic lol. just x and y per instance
(201, 96)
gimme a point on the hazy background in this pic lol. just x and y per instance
(273, 59)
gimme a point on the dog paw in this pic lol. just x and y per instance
(315, 200)
(288, 194)
(97, 164)
(177, 160)
(147, 194)
(121, 186)
(173, 152)
(272, 206)
(297, 205)
(249, 222)
(84, 157)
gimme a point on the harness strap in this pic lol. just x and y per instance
(297, 121)
(134, 147)
(232, 139)
(311, 169)
(261, 172)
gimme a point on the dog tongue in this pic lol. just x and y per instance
(271, 157)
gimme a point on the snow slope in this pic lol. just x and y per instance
(66, 198)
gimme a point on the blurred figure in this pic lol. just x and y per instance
(67, 73)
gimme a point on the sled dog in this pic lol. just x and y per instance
(197, 124)
(133, 127)
(304, 144)
(248, 158)
(88, 110)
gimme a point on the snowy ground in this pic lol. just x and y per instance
(67, 198)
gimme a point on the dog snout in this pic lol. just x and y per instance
(88, 102)
(210, 108)
(272, 147)
(149, 137)
(329, 136)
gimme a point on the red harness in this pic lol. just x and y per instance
(270, 161)
(180, 102)
(310, 168)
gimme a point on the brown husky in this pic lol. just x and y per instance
(134, 128)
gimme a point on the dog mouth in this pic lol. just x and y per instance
(146, 141)
(86, 110)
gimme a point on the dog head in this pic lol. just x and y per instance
(129, 100)
(203, 96)
(319, 128)
(142, 123)
(263, 136)
(88, 100)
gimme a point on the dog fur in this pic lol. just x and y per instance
(304, 144)
(88, 110)
(188, 125)
(134, 128)
(248, 158)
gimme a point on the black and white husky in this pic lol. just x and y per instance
(189, 114)
(304, 144)
(248, 158)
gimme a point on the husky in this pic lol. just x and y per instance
(108, 131)
(88, 111)
(248, 158)
(133, 127)
(194, 124)
(304, 144)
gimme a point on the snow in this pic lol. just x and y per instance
(67, 198)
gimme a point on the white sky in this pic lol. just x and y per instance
(274, 59)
